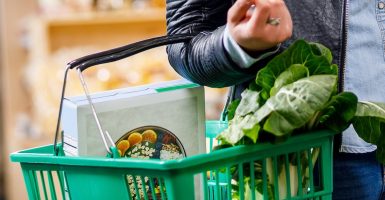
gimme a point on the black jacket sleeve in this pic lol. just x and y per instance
(203, 60)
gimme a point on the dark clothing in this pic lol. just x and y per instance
(204, 60)
(360, 171)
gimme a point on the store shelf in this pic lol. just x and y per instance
(108, 17)
(110, 29)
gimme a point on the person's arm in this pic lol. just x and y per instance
(204, 59)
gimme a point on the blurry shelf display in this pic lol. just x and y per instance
(54, 7)
(36, 49)
(108, 28)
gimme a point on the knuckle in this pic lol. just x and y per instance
(264, 9)
(276, 3)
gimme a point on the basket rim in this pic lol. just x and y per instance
(237, 154)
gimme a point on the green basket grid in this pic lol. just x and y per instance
(204, 176)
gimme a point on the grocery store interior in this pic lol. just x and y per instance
(38, 38)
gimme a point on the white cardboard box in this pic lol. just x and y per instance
(177, 106)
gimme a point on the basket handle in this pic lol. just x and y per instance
(105, 57)
(126, 51)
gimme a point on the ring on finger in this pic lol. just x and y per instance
(273, 21)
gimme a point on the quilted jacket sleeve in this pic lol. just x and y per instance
(203, 60)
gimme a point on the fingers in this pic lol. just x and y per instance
(285, 25)
(266, 9)
(249, 27)
(239, 10)
(260, 14)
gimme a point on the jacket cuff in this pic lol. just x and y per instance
(239, 56)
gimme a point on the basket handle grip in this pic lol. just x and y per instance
(125, 51)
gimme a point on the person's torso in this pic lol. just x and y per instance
(318, 21)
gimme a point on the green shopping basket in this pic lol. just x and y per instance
(262, 171)
(59, 177)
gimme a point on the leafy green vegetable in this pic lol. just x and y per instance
(369, 123)
(315, 57)
(252, 133)
(232, 108)
(296, 103)
(235, 132)
(293, 73)
(297, 91)
(339, 112)
(321, 50)
(249, 104)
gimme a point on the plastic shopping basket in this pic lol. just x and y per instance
(241, 172)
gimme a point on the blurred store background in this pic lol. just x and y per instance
(37, 39)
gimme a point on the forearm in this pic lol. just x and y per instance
(204, 60)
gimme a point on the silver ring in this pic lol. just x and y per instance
(274, 21)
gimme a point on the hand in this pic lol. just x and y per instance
(257, 25)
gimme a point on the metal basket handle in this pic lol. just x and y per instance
(111, 55)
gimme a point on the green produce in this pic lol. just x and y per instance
(294, 93)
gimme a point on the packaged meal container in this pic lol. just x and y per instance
(164, 120)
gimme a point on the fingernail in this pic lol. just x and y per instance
(252, 8)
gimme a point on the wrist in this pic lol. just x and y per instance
(259, 53)
(242, 56)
